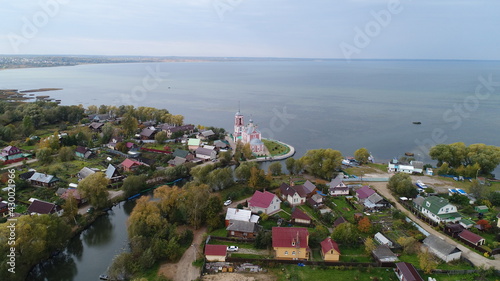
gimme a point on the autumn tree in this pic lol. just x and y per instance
(133, 184)
(409, 244)
(361, 155)
(242, 172)
(196, 203)
(247, 151)
(44, 155)
(220, 178)
(161, 137)
(146, 219)
(70, 208)
(369, 246)
(257, 178)
(171, 200)
(200, 173)
(213, 211)
(484, 224)
(478, 190)
(322, 163)
(364, 225)
(129, 124)
(94, 187)
(427, 261)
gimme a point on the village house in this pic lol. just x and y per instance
(215, 253)
(129, 165)
(295, 195)
(221, 144)
(177, 161)
(39, 207)
(75, 193)
(265, 202)
(242, 229)
(471, 238)
(193, 144)
(299, 217)
(205, 153)
(383, 255)
(99, 117)
(466, 223)
(382, 240)
(363, 193)
(85, 172)
(147, 133)
(113, 142)
(96, 127)
(43, 180)
(339, 221)
(337, 187)
(170, 130)
(291, 243)
(10, 153)
(315, 201)
(206, 135)
(330, 250)
(407, 272)
(234, 214)
(376, 202)
(112, 174)
(442, 249)
(437, 209)
(414, 167)
(83, 152)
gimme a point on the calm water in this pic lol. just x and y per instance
(89, 254)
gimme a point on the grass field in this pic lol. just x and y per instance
(248, 256)
(275, 148)
(293, 272)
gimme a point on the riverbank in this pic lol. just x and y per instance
(290, 153)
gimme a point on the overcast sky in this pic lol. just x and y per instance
(377, 29)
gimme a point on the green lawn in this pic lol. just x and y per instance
(219, 232)
(268, 225)
(232, 243)
(343, 208)
(248, 256)
(455, 265)
(293, 272)
(275, 148)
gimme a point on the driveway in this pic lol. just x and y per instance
(184, 270)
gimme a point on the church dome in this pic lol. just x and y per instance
(256, 142)
(238, 113)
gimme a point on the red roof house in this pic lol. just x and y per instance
(129, 164)
(215, 252)
(330, 250)
(471, 237)
(363, 193)
(291, 243)
(407, 272)
(265, 202)
(300, 217)
(42, 208)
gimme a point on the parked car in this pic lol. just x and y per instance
(227, 202)
(232, 248)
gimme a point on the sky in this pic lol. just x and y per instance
(339, 29)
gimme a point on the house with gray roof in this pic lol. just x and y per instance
(376, 202)
(384, 255)
(43, 180)
(85, 172)
(337, 186)
(176, 161)
(112, 173)
(437, 209)
(242, 229)
(442, 249)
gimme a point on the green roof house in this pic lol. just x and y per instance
(437, 209)
(481, 209)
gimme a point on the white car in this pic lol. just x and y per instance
(232, 248)
(227, 202)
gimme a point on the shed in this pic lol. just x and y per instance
(215, 252)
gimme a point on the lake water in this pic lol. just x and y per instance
(89, 254)
(309, 104)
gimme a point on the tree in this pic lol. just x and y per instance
(478, 190)
(70, 208)
(66, 154)
(196, 203)
(225, 158)
(146, 219)
(129, 124)
(322, 162)
(364, 225)
(93, 187)
(361, 155)
(459, 199)
(484, 224)
(369, 246)
(161, 137)
(44, 155)
(243, 170)
(214, 208)
(220, 178)
(28, 126)
(247, 151)
(200, 173)
(401, 185)
(409, 244)
(275, 168)
(427, 261)
(457, 154)
(346, 233)
(133, 184)
(122, 266)
(257, 178)
(290, 165)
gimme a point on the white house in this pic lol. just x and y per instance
(205, 153)
(442, 249)
(437, 209)
(265, 202)
(337, 187)
(395, 166)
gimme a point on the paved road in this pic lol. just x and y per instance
(475, 258)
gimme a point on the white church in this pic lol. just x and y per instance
(247, 134)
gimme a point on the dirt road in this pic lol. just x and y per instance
(184, 269)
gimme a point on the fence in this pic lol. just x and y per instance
(156, 150)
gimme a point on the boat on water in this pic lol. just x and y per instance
(103, 277)
(409, 154)
(417, 122)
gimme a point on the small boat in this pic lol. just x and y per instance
(409, 154)
(103, 277)
(417, 123)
